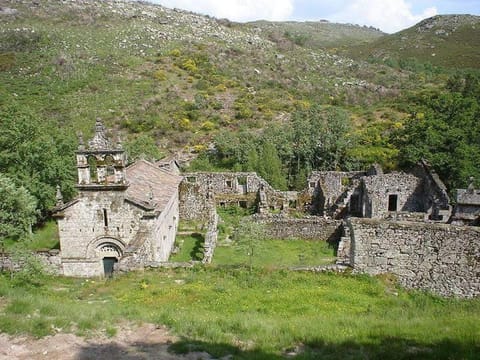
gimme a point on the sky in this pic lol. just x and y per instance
(388, 15)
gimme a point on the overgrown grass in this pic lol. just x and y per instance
(255, 315)
(271, 253)
(45, 237)
(190, 247)
(277, 253)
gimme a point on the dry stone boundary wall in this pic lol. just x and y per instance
(50, 259)
(443, 259)
(311, 228)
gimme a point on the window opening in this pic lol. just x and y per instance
(355, 205)
(242, 180)
(109, 163)
(105, 217)
(92, 164)
(392, 202)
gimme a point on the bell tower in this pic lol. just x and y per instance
(100, 165)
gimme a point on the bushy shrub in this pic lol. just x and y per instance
(208, 126)
(189, 65)
(160, 75)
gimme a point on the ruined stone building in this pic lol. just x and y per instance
(126, 217)
(123, 217)
(374, 194)
(467, 209)
(201, 190)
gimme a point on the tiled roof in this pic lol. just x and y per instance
(150, 186)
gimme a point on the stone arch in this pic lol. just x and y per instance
(105, 247)
(109, 163)
(92, 165)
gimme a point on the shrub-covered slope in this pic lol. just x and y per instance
(444, 40)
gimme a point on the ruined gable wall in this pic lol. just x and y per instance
(441, 258)
(407, 187)
(193, 200)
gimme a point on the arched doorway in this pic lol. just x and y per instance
(109, 266)
(110, 253)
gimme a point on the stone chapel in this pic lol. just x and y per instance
(123, 217)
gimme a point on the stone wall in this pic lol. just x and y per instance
(327, 188)
(165, 230)
(444, 259)
(310, 228)
(83, 229)
(106, 224)
(200, 191)
(50, 259)
(406, 188)
(211, 237)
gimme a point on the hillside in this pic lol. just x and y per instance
(319, 34)
(175, 75)
(443, 40)
(281, 99)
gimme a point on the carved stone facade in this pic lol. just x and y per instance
(122, 218)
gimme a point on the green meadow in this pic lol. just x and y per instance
(258, 314)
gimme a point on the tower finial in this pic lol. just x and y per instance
(99, 140)
(119, 142)
(471, 186)
(81, 143)
(59, 196)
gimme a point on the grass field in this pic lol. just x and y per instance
(268, 253)
(252, 315)
(259, 312)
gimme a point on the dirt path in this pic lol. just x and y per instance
(130, 343)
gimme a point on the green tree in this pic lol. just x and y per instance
(37, 155)
(17, 209)
(270, 166)
(320, 140)
(444, 130)
(142, 146)
(248, 236)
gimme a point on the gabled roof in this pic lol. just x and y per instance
(57, 210)
(150, 187)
